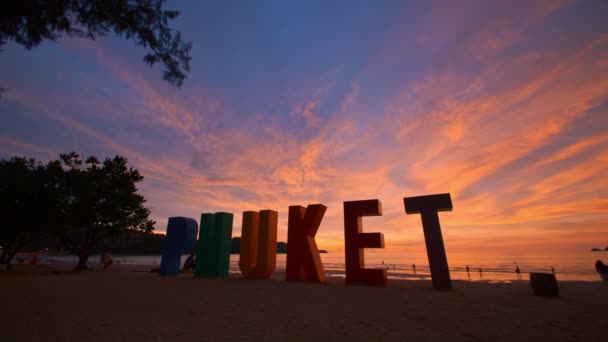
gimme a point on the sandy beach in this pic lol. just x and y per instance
(128, 303)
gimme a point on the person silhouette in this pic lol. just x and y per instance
(414, 267)
(480, 273)
(468, 272)
(518, 272)
(106, 259)
(190, 263)
(602, 269)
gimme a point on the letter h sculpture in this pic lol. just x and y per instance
(213, 249)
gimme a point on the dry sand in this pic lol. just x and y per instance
(128, 304)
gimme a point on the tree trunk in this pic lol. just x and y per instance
(87, 246)
(83, 260)
(10, 256)
(10, 251)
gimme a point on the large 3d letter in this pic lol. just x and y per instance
(213, 249)
(303, 259)
(427, 207)
(180, 239)
(355, 240)
(258, 244)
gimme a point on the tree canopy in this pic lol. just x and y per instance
(30, 202)
(80, 201)
(29, 22)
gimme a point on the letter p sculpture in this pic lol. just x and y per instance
(181, 239)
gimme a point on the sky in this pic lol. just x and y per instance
(502, 104)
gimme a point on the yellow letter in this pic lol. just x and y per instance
(258, 244)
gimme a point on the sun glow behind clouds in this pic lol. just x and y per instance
(505, 108)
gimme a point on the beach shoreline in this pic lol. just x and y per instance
(490, 274)
(131, 303)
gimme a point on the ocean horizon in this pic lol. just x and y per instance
(494, 266)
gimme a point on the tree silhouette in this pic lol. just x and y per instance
(78, 201)
(102, 200)
(30, 203)
(29, 22)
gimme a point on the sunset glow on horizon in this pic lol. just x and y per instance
(504, 105)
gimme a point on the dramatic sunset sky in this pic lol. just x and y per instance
(503, 104)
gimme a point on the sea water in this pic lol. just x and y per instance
(494, 266)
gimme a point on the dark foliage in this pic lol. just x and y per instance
(79, 201)
(102, 201)
(29, 22)
(30, 203)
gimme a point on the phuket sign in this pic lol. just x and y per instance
(259, 239)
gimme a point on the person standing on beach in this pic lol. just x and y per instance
(414, 268)
(480, 273)
(518, 272)
(190, 263)
(106, 259)
(602, 269)
(468, 272)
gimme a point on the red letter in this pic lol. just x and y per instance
(355, 240)
(303, 259)
(427, 207)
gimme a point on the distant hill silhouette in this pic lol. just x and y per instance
(137, 243)
(235, 247)
(134, 243)
(129, 242)
(596, 249)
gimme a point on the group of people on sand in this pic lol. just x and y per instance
(600, 267)
(106, 261)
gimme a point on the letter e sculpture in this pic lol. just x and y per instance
(355, 240)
